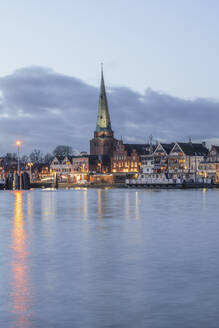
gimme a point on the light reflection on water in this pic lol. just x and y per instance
(99, 203)
(109, 258)
(20, 293)
(85, 205)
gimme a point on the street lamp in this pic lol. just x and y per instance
(30, 166)
(18, 144)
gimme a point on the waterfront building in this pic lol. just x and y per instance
(78, 169)
(103, 142)
(127, 157)
(90, 164)
(2, 171)
(185, 157)
(161, 156)
(61, 166)
(209, 167)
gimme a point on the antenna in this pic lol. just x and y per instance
(151, 143)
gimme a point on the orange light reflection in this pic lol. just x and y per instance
(20, 281)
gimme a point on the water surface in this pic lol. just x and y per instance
(109, 258)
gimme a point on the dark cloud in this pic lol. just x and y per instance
(44, 109)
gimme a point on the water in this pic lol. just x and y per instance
(109, 258)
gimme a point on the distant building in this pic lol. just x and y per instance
(209, 167)
(61, 165)
(103, 142)
(161, 156)
(127, 157)
(185, 157)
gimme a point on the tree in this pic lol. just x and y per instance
(63, 150)
(36, 156)
(48, 158)
(11, 156)
(24, 159)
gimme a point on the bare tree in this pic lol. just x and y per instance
(24, 159)
(63, 150)
(36, 156)
(48, 158)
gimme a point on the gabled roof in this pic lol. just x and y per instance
(141, 149)
(69, 157)
(59, 158)
(216, 148)
(193, 149)
(167, 147)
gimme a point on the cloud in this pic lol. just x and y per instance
(45, 109)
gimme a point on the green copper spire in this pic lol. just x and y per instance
(103, 118)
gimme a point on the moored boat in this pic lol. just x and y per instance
(162, 180)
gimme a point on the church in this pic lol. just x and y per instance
(103, 142)
(121, 158)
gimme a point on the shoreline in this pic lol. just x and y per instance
(119, 186)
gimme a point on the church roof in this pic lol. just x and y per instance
(103, 117)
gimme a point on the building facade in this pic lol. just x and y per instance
(209, 167)
(127, 157)
(161, 157)
(184, 158)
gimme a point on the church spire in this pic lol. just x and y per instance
(103, 118)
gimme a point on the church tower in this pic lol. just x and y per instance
(103, 141)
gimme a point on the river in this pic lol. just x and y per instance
(109, 258)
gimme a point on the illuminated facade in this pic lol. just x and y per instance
(186, 157)
(126, 157)
(161, 156)
(209, 167)
(61, 164)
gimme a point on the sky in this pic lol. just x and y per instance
(160, 66)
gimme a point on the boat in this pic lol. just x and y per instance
(153, 179)
(162, 180)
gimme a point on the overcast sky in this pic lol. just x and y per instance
(160, 64)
